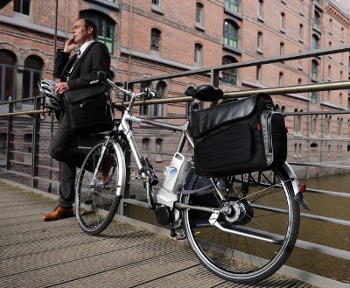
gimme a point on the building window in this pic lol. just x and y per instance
(297, 122)
(301, 7)
(159, 148)
(232, 5)
(315, 42)
(281, 49)
(313, 124)
(155, 39)
(21, 6)
(313, 98)
(328, 120)
(317, 20)
(198, 53)
(199, 13)
(145, 146)
(283, 22)
(7, 75)
(105, 28)
(160, 93)
(314, 69)
(259, 42)
(229, 76)
(230, 34)
(301, 33)
(339, 124)
(281, 79)
(260, 9)
(31, 76)
(258, 73)
(156, 2)
(144, 109)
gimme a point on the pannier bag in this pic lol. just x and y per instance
(89, 109)
(238, 137)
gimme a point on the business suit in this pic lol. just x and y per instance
(64, 146)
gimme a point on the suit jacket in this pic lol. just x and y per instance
(95, 58)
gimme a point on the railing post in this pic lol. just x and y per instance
(35, 144)
(9, 144)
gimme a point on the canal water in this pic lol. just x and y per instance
(323, 233)
(320, 232)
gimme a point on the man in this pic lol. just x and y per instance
(74, 72)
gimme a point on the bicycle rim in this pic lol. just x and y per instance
(96, 199)
(265, 203)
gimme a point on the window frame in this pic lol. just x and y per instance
(230, 37)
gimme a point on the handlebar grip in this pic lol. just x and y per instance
(101, 75)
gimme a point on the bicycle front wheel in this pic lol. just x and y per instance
(253, 230)
(100, 181)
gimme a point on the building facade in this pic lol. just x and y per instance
(160, 37)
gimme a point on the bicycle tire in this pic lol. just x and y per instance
(270, 211)
(96, 199)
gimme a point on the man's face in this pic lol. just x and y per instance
(81, 33)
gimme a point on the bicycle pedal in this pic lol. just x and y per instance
(180, 234)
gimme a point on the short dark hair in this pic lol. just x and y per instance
(91, 23)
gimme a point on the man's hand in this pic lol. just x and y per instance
(70, 45)
(61, 87)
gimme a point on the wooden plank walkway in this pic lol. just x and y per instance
(35, 253)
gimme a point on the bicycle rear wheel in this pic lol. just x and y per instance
(259, 222)
(96, 196)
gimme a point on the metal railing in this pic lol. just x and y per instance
(28, 162)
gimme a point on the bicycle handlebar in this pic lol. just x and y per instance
(147, 94)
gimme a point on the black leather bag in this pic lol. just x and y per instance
(238, 137)
(89, 109)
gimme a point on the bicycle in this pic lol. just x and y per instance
(241, 227)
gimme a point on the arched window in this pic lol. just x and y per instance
(160, 93)
(229, 76)
(105, 27)
(281, 48)
(313, 124)
(31, 76)
(145, 109)
(261, 9)
(230, 37)
(159, 149)
(301, 32)
(314, 69)
(155, 39)
(281, 79)
(315, 41)
(283, 22)
(7, 75)
(198, 53)
(199, 13)
(259, 41)
(339, 126)
(328, 120)
(317, 20)
(296, 122)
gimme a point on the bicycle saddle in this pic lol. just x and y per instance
(205, 93)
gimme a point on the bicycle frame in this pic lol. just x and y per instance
(163, 197)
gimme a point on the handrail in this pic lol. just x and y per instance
(47, 179)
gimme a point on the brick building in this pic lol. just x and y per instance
(157, 37)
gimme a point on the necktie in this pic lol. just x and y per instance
(75, 61)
